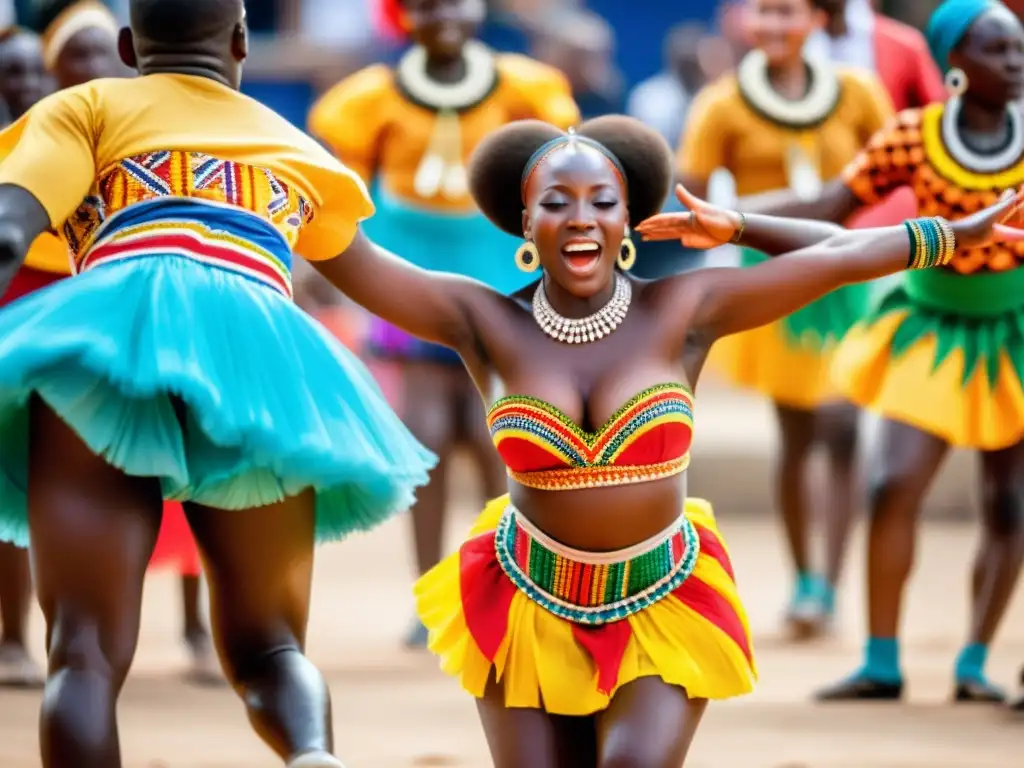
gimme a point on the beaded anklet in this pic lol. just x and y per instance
(932, 242)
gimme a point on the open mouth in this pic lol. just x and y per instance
(582, 256)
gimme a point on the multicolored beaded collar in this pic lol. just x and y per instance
(936, 137)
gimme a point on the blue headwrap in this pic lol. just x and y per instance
(950, 23)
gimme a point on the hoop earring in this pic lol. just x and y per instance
(527, 258)
(956, 82)
(627, 253)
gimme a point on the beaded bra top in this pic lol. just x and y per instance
(648, 438)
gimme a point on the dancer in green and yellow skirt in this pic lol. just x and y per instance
(593, 611)
(784, 121)
(941, 358)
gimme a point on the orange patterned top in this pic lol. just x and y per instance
(909, 152)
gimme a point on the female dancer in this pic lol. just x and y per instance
(596, 588)
(411, 129)
(784, 121)
(22, 84)
(162, 370)
(938, 358)
(80, 45)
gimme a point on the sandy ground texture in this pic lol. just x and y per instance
(394, 709)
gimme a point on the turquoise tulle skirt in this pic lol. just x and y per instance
(273, 405)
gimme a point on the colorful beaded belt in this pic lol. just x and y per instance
(594, 587)
(598, 476)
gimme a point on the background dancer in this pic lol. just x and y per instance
(410, 131)
(786, 121)
(937, 357)
(23, 81)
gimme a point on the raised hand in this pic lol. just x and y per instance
(703, 226)
(997, 223)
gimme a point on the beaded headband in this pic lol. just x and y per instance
(571, 139)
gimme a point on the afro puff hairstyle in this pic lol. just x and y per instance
(496, 167)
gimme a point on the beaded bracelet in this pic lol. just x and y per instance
(932, 242)
(739, 230)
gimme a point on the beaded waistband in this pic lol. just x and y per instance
(217, 235)
(589, 587)
(576, 478)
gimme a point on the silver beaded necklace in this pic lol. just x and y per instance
(585, 329)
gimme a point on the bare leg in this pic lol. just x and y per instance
(837, 429)
(204, 670)
(996, 567)
(93, 531)
(797, 429)
(430, 414)
(649, 723)
(260, 566)
(17, 669)
(907, 461)
(521, 738)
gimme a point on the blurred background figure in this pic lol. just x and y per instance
(582, 45)
(408, 131)
(663, 101)
(786, 120)
(23, 82)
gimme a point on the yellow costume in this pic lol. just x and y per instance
(944, 350)
(788, 360)
(412, 140)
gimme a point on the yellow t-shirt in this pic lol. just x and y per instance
(724, 132)
(376, 131)
(90, 142)
(48, 253)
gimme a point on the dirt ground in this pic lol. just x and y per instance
(393, 709)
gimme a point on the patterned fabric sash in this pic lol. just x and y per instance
(594, 588)
(217, 235)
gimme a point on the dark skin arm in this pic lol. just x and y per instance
(22, 220)
(769, 234)
(732, 300)
(436, 307)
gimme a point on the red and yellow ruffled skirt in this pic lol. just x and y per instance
(564, 630)
(944, 353)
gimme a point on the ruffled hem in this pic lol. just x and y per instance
(697, 637)
(925, 382)
(763, 360)
(273, 404)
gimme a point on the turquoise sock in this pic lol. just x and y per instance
(806, 586)
(828, 595)
(970, 664)
(882, 660)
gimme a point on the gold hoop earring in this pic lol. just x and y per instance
(527, 258)
(627, 253)
(956, 82)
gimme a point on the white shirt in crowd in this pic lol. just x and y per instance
(857, 47)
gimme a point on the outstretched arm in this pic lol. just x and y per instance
(733, 300)
(434, 306)
(707, 226)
